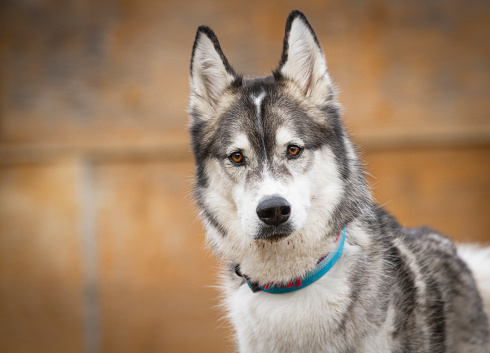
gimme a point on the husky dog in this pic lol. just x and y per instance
(312, 264)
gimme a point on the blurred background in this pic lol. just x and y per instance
(100, 249)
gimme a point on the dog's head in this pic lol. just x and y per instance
(277, 178)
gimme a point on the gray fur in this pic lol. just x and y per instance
(394, 289)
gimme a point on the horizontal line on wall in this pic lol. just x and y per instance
(389, 138)
(177, 146)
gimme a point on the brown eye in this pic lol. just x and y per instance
(236, 157)
(294, 151)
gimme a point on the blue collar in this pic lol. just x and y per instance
(310, 277)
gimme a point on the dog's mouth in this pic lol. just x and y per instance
(273, 238)
(274, 234)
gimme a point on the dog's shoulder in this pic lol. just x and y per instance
(426, 242)
(445, 291)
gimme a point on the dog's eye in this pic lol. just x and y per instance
(294, 151)
(236, 157)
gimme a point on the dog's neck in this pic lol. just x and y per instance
(322, 267)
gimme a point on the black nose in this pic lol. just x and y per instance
(274, 210)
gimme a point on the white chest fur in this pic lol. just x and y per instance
(306, 320)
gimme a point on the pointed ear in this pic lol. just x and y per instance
(303, 61)
(211, 73)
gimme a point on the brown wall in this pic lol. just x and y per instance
(100, 249)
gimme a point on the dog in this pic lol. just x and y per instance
(311, 262)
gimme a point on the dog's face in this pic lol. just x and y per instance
(273, 162)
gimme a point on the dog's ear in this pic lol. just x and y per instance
(211, 73)
(303, 61)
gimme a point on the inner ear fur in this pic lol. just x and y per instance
(303, 61)
(211, 73)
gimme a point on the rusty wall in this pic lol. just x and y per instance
(100, 249)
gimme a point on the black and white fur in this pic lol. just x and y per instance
(393, 289)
